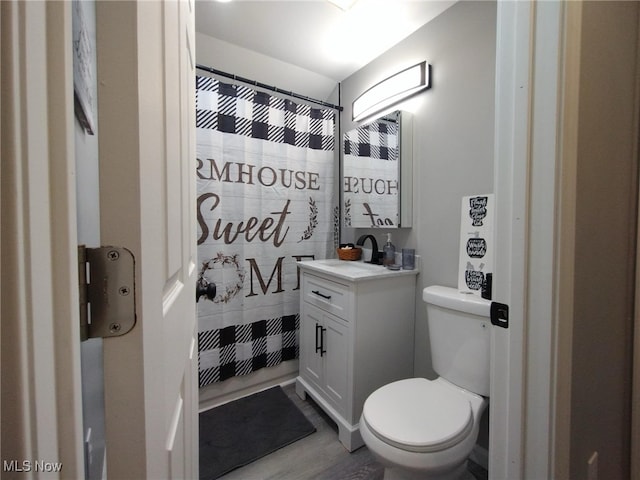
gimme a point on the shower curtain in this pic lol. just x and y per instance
(266, 199)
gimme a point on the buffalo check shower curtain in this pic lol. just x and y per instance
(266, 170)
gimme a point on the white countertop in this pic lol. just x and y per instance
(351, 270)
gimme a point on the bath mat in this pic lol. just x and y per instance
(237, 433)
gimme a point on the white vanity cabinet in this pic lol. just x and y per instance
(357, 325)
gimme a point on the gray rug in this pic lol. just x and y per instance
(237, 433)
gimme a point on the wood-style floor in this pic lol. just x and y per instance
(318, 456)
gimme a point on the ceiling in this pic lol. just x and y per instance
(315, 34)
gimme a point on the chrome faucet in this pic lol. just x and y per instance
(376, 256)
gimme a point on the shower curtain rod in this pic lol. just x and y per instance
(267, 87)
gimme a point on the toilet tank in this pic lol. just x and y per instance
(460, 337)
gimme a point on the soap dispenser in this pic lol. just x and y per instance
(389, 252)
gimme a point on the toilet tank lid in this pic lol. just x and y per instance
(454, 299)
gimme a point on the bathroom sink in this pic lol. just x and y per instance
(346, 264)
(351, 270)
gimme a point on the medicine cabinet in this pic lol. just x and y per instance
(377, 173)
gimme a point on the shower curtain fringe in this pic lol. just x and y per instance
(255, 83)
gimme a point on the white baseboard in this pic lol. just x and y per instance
(234, 388)
(104, 465)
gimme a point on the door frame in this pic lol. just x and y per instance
(527, 394)
(537, 106)
(41, 388)
(511, 173)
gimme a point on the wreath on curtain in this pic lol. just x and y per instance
(221, 260)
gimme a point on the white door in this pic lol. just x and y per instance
(146, 117)
(147, 205)
(335, 361)
(311, 363)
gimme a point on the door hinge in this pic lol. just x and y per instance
(107, 291)
(500, 314)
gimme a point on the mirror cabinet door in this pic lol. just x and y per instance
(376, 173)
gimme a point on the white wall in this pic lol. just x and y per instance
(453, 126)
(229, 58)
(605, 217)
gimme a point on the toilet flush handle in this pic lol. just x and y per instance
(499, 314)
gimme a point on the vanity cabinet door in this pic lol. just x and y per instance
(336, 361)
(324, 355)
(311, 367)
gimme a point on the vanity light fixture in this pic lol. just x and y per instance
(343, 4)
(392, 90)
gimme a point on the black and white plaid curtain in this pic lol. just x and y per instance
(266, 199)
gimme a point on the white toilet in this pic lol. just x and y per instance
(426, 429)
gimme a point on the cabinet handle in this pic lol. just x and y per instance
(320, 348)
(328, 297)
(318, 337)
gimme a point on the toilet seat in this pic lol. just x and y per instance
(418, 415)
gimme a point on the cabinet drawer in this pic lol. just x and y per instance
(330, 296)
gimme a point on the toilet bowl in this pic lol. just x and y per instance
(419, 428)
(426, 429)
